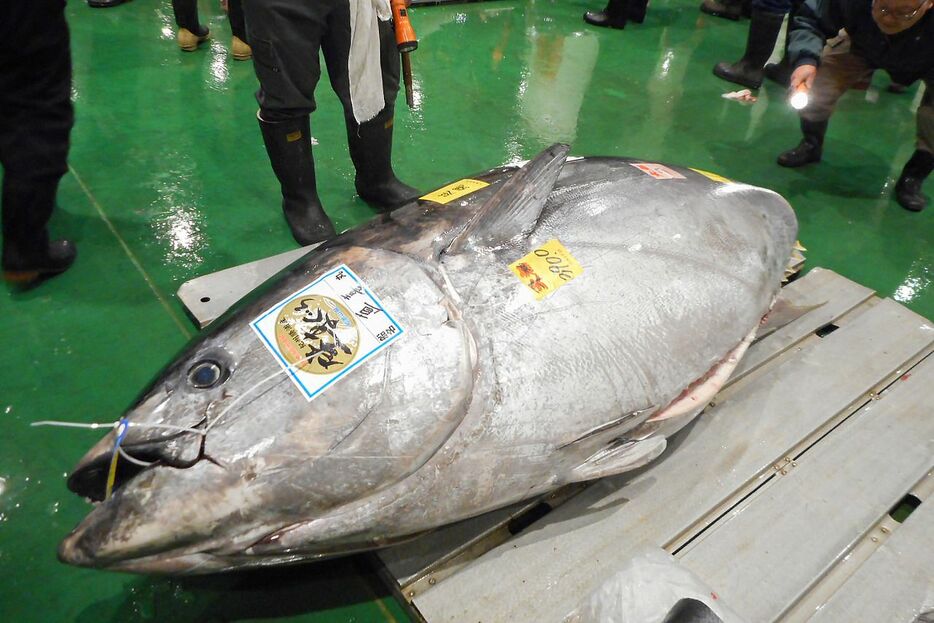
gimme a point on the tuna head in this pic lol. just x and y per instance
(224, 451)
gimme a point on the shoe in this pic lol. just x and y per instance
(613, 16)
(636, 9)
(103, 4)
(370, 146)
(779, 73)
(747, 71)
(189, 41)
(27, 267)
(809, 149)
(908, 192)
(240, 50)
(728, 9)
(288, 144)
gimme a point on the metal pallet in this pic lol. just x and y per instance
(777, 497)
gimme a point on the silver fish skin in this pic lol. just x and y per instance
(489, 397)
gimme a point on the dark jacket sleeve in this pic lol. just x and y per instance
(814, 23)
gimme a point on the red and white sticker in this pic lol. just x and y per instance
(658, 171)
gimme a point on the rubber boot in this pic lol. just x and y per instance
(809, 149)
(104, 4)
(288, 144)
(635, 10)
(747, 71)
(239, 48)
(780, 72)
(28, 256)
(730, 9)
(190, 32)
(908, 188)
(370, 146)
(613, 16)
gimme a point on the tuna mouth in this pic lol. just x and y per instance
(89, 478)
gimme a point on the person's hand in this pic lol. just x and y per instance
(802, 78)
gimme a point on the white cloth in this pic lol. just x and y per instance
(363, 64)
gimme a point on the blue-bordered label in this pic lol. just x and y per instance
(323, 331)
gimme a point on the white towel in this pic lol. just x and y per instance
(363, 64)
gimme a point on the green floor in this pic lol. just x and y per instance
(170, 180)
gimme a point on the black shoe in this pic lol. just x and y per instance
(370, 146)
(763, 31)
(288, 144)
(908, 191)
(809, 149)
(729, 10)
(103, 4)
(739, 72)
(635, 10)
(805, 153)
(779, 73)
(603, 20)
(24, 267)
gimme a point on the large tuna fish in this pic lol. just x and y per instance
(512, 333)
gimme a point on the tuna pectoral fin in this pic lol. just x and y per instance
(514, 209)
(783, 312)
(618, 459)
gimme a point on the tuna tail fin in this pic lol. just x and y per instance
(617, 459)
(515, 208)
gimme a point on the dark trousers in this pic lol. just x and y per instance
(286, 37)
(35, 114)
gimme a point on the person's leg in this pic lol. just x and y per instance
(190, 31)
(35, 123)
(613, 16)
(730, 9)
(839, 70)
(370, 142)
(908, 189)
(780, 72)
(239, 44)
(286, 36)
(764, 26)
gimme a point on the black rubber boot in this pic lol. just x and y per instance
(809, 149)
(730, 9)
(780, 72)
(103, 4)
(908, 191)
(370, 146)
(288, 144)
(613, 16)
(28, 256)
(747, 71)
(635, 10)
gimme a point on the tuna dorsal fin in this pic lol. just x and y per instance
(514, 209)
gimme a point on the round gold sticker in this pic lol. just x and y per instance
(317, 334)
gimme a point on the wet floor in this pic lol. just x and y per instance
(169, 180)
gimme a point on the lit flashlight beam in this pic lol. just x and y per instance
(799, 100)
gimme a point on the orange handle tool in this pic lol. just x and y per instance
(406, 42)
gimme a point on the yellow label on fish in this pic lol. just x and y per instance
(546, 269)
(712, 176)
(453, 191)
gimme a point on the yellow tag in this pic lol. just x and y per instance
(546, 269)
(712, 176)
(455, 190)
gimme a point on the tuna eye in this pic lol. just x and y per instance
(205, 374)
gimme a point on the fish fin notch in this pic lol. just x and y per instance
(616, 459)
(514, 209)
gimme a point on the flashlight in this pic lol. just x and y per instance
(799, 99)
